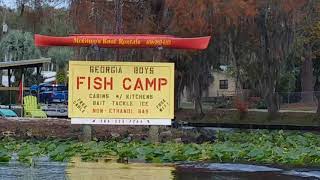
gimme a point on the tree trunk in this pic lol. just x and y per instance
(317, 93)
(272, 103)
(154, 134)
(197, 99)
(86, 133)
(307, 79)
(198, 106)
(177, 93)
(318, 109)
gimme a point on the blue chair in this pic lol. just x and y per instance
(7, 113)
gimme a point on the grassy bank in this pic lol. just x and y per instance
(262, 147)
(258, 118)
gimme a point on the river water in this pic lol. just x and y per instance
(78, 170)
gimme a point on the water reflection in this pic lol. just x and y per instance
(41, 171)
(141, 171)
(79, 170)
(227, 175)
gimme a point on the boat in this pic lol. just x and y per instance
(124, 41)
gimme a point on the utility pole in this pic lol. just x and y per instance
(87, 129)
(3, 31)
(154, 130)
(4, 25)
(119, 22)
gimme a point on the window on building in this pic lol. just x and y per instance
(223, 84)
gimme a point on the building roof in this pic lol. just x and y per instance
(24, 63)
(49, 80)
(48, 74)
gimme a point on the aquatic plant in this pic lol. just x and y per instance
(255, 146)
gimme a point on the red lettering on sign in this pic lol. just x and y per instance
(97, 83)
(162, 82)
(151, 83)
(79, 82)
(89, 82)
(124, 84)
(106, 83)
(138, 84)
(144, 84)
(110, 83)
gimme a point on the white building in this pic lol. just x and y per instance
(223, 85)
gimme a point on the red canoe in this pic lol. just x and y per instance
(124, 41)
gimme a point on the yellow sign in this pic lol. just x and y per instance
(127, 90)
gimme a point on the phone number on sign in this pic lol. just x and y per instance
(121, 121)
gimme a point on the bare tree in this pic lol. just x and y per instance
(276, 31)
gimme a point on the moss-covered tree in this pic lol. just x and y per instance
(18, 45)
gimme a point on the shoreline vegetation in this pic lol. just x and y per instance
(226, 116)
(283, 148)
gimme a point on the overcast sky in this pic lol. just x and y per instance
(9, 3)
(12, 3)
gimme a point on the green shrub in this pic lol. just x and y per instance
(223, 102)
(262, 105)
(61, 77)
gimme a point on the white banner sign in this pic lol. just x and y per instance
(164, 122)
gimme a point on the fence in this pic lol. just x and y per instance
(298, 100)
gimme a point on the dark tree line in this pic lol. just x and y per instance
(259, 40)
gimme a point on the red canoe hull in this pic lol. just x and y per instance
(124, 41)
